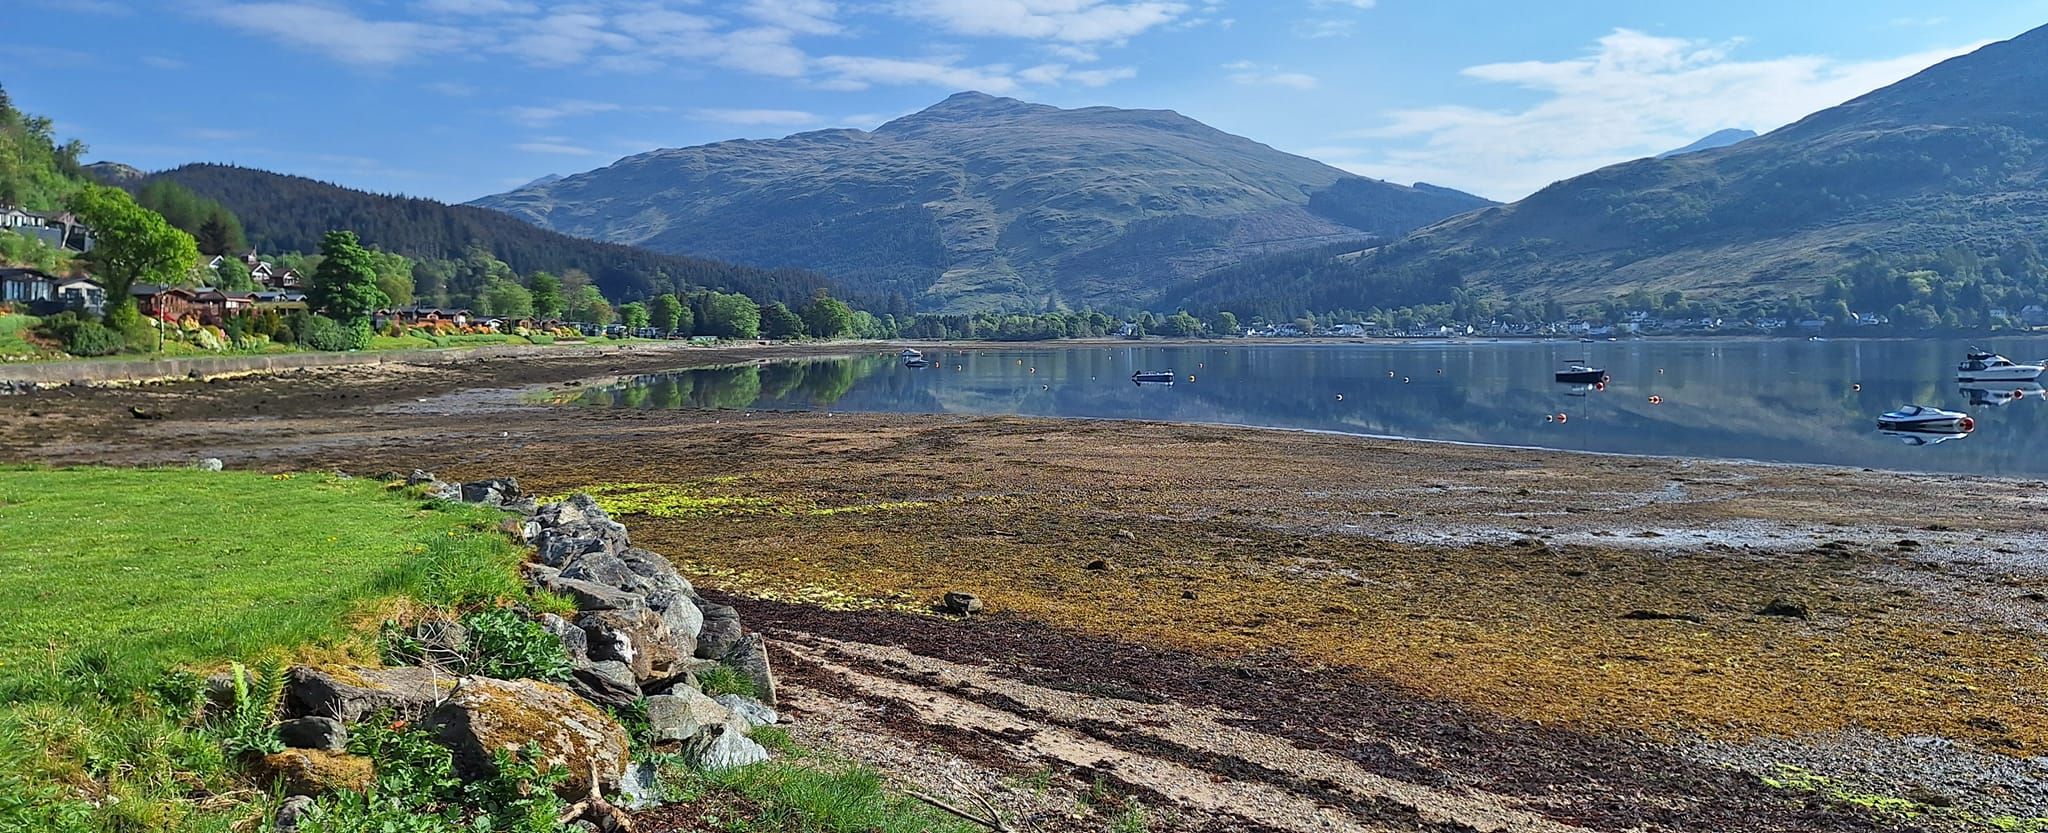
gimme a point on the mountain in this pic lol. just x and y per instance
(1955, 156)
(289, 213)
(114, 174)
(982, 203)
(1717, 139)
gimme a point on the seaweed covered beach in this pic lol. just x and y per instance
(1265, 630)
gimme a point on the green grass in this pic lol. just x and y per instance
(14, 345)
(122, 585)
(811, 795)
(723, 679)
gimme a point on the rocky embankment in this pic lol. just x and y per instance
(640, 643)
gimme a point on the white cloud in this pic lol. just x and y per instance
(858, 73)
(780, 118)
(1070, 21)
(810, 17)
(537, 115)
(1633, 95)
(556, 148)
(1329, 28)
(338, 33)
(1250, 74)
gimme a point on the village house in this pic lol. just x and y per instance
(61, 229)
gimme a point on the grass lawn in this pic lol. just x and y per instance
(14, 345)
(118, 582)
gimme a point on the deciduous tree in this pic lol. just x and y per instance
(827, 317)
(778, 322)
(132, 244)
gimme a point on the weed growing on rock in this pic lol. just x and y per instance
(417, 790)
(721, 679)
(244, 726)
(508, 646)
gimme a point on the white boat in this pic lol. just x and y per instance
(1926, 418)
(909, 353)
(1987, 397)
(1980, 366)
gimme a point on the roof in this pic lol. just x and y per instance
(20, 272)
(144, 290)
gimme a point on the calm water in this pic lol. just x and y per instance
(1786, 401)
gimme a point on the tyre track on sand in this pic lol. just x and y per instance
(1133, 739)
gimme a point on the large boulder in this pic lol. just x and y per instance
(720, 632)
(679, 609)
(590, 595)
(750, 657)
(609, 684)
(497, 491)
(575, 642)
(576, 527)
(749, 709)
(483, 717)
(639, 638)
(614, 570)
(350, 693)
(680, 716)
(322, 733)
(313, 772)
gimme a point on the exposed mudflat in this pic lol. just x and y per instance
(1263, 630)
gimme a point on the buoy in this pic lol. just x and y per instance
(1562, 417)
(1034, 370)
(1549, 418)
(1855, 387)
(1390, 374)
(1599, 385)
(1405, 380)
(1968, 424)
(1191, 377)
(2018, 394)
(1340, 397)
(1660, 371)
(1201, 365)
(1656, 400)
(1439, 371)
(1045, 387)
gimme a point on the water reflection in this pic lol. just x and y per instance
(1791, 401)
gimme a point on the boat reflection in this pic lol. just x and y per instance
(1993, 397)
(1923, 437)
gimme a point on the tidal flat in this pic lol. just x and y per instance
(1266, 630)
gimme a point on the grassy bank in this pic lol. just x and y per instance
(125, 587)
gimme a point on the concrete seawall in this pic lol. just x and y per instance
(143, 370)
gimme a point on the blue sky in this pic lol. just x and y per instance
(454, 99)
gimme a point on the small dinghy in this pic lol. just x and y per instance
(1926, 419)
(1154, 376)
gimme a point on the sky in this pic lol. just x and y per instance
(455, 99)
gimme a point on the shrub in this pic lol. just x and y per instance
(508, 646)
(322, 333)
(91, 338)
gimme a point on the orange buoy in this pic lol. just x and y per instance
(1968, 424)
(2018, 394)
(1656, 400)
(1599, 385)
(1562, 417)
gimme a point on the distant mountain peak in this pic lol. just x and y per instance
(963, 108)
(1717, 139)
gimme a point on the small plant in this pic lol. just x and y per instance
(508, 646)
(724, 679)
(245, 727)
(775, 739)
(548, 601)
(1132, 820)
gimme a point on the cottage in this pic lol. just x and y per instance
(417, 315)
(83, 295)
(163, 303)
(27, 287)
(62, 229)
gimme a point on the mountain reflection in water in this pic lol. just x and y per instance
(1775, 400)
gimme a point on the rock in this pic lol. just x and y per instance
(720, 632)
(961, 604)
(1098, 565)
(1658, 615)
(421, 478)
(524, 506)
(313, 772)
(322, 733)
(609, 570)
(349, 694)
(638, 638)
(140, 412)
(484, 716)
(640, 787)
(210, 464)
(1929, 797)
(556, 546)
(575, 642)
(444, 643)
(1785, 608)
(496, 491)
(291, 813)
(680, 611)
(519, 529)
(726, 746)
(750, 657)
(607, 683)
(578, 510)
(679, 717)
(656, 570)
(684, 674)
(593, 596)
(748, 709)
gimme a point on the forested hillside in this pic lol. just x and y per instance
(290, 213)
(36, 171)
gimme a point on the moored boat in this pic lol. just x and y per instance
(1982, 366)
(1579, 374)
(1926, 418)
(1153, 376)
(909, 353)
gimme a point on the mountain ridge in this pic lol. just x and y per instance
(985, 202)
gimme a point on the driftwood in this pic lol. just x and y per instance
(606, 815)
(992, 821)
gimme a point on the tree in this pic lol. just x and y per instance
(1182, 324)
(1224, 323)
(666, 312)
(345, 286)
(730, 315)
(233, 275)
(394, 276)
(505, 298)
(777, 322)
(584, 303)
(133, 244)
(633, 315)
(547, 295)
(213, 237)
(827, 317)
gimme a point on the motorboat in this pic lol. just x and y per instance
(1994, 397)
(1580, 374)
(1980, 366)
(1153, 376)
(1926, 418)
(1922, 437)
(909, 353)
(915, 361)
